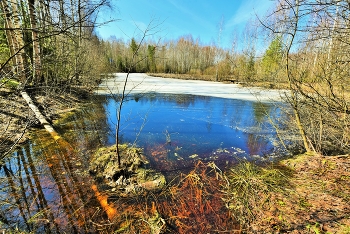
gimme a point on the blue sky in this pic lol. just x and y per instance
(200, 18)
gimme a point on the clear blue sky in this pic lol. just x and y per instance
(200, 18)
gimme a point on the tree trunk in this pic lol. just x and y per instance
(14, 37)
(18, 42)
(36, 45)
(62, 14)
(40, 116)
(301, 130)
(8, 33)
(291, 80)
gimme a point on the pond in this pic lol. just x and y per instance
(46, 187)
(184, 127)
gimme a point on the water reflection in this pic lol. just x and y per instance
(194, 124)
(45, 186)
(45, 189)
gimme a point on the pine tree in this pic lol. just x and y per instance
(271, 61)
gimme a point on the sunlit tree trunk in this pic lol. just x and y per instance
(19, 42)
(36, 44)
(291, 81)
(15, 37)
(7, 26)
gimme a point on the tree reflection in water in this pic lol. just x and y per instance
(45, 186)
(197, 124)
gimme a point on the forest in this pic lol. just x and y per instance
(50, 50)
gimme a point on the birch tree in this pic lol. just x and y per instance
(35, 40)
(318, 83)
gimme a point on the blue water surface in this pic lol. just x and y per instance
(199, 125)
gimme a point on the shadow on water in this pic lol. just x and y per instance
(46, 187)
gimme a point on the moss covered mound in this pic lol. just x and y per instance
(131, 177)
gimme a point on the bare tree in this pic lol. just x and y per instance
(316, 35)
(135, 59)
(36, 45)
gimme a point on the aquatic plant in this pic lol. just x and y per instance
(194, 204)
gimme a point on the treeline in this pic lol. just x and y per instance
(186, 55)
(50, 43)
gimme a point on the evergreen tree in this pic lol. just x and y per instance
(272, 58)
(133, 46)
(151, 58)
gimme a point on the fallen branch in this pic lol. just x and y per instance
(59, 140)
(40, 116)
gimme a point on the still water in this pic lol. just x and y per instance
(47, 188)
(193, 125)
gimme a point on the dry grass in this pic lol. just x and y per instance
(184, 76)
(316, 201)
(230, 79)
(249, 188)
(305, 194)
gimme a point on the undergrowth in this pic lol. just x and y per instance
(9, 83)
(248, 189)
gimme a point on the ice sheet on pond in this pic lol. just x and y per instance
(142, 83)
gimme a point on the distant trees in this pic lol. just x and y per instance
(186, 55)
(182, 56)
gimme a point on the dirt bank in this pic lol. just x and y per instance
(16, 118)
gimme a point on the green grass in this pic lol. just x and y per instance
(9, 83)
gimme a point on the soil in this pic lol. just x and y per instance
(16, 118)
